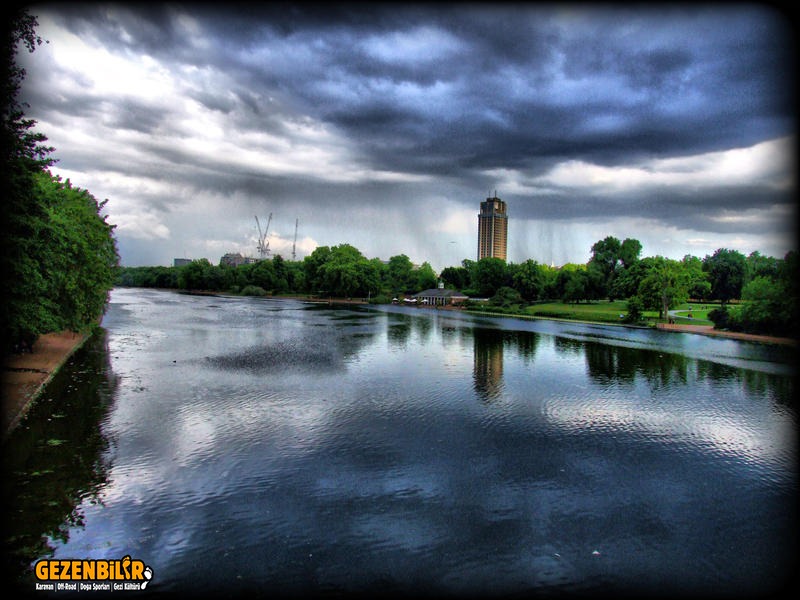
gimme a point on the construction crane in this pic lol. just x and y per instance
(263, 242)
(294, 244)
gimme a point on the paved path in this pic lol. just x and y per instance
(25, 375)
(709, 330)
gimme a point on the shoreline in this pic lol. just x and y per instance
(707, 330)
(26, 375)
(734, 335)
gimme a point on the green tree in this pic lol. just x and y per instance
(23, 314)
(612, 258)
(664, 286)
(629, 252)
(455, 277)
(489, 275)
(425, 277)
(726, 272)
(216, 278)
(506, 297)
(569, 285)
(347, 273)
(296, 276)
(192, 276)
(312, 265)
(769, 302)
(626, 282)
(596, 286)
(398, 274)
(73, 261)
(549, 281)
(236, 278)
(606, 258)
(765, 309)
(263, 275)
(281, 274)
(635, 308)
(698, 285)
(573, 286)
(759, 265)
(528, 280)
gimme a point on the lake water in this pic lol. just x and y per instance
(264, 445)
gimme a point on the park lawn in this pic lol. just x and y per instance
(603, 311)
(609, 312)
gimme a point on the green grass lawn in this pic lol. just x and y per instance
(609, 312)
(604, 312)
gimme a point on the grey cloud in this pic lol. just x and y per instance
(136, 116)
(451, 93)
(319, 54)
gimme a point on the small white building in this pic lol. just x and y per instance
(440, 297)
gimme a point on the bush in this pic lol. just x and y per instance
(506, 297)
(719, 317)
(253, 290)
(635, 308)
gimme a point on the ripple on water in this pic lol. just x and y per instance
(331, 459)
(307, 355)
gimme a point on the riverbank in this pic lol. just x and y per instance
(26, 375)
(735, 335)
(679, 328)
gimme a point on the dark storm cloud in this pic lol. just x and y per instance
(452, 98)
(665, 205)
(656, 82)
(137, 116)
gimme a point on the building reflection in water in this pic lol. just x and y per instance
(487, 370)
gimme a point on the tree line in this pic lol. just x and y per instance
(58, 254)
(339, 271)
(764, 287)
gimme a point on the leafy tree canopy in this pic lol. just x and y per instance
(726, 272)
(57, 252)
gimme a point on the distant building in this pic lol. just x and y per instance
(180, 262)
(492, 229)
(234, 259)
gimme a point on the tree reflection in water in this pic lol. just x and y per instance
(54, 461)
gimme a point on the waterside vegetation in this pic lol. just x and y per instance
(57, 251)
(754, 293)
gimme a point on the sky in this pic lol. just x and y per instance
(385, 126)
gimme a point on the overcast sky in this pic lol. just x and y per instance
(385, 126)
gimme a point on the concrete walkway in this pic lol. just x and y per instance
(709, 330)
(25, 375)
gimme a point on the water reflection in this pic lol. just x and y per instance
(489, 346)
(55, 461)
(607, 363)
(488, 363)
(273, 447)
(310, 339)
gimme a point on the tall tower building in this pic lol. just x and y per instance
(492, 229)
